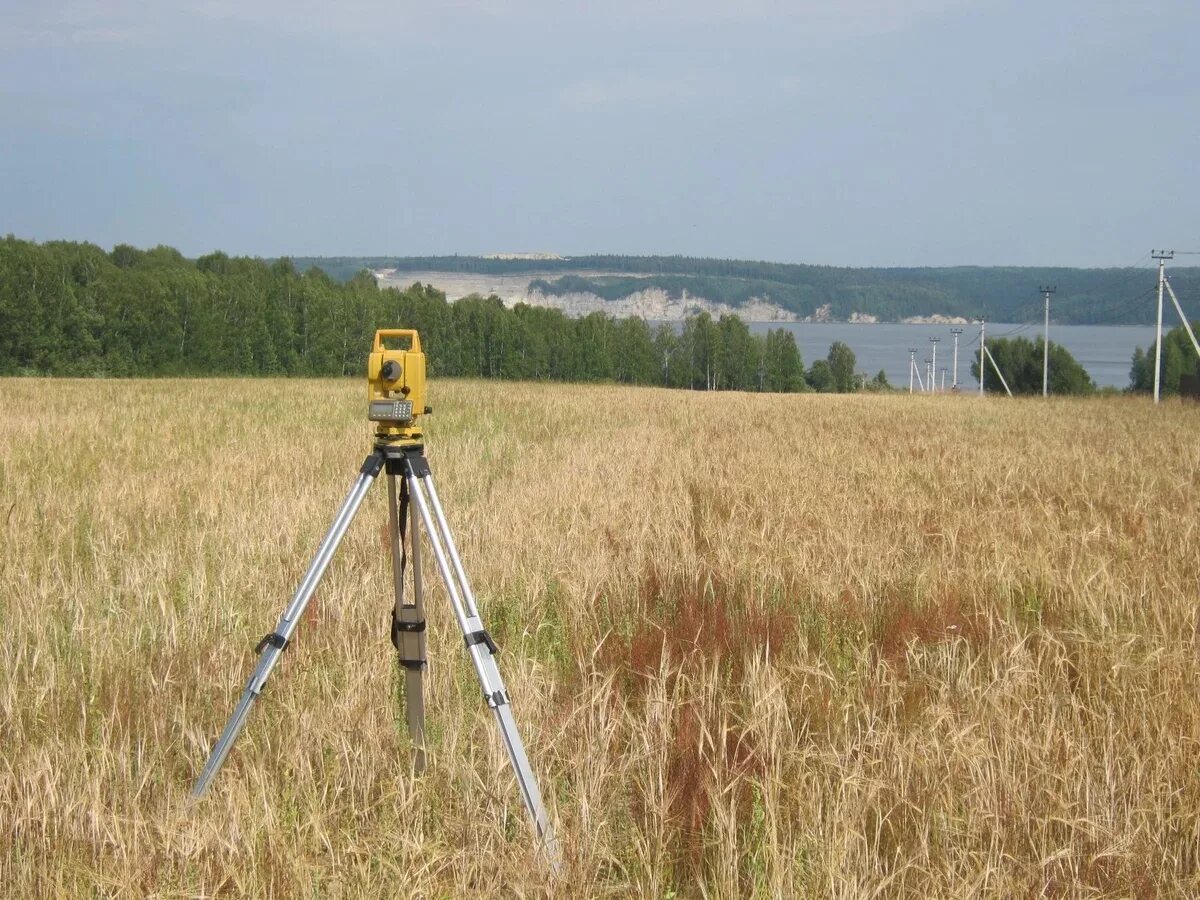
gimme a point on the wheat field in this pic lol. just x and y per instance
(757, 646)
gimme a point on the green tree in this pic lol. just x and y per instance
(667, 351)
(820, 377)
(636, 355)
(1141, 370)
(1020, 361)
(700, 341)
(597, 347)
(783, 369)
(1178, 359)
(124, 256)
(841, 366)
(736, 360)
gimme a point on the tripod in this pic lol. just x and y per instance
(406, 460)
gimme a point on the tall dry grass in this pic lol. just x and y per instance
(757, 646)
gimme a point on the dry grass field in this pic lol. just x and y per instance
(758, 646)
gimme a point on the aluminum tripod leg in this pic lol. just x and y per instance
(272, 646)
(479, 645)
(408, 619)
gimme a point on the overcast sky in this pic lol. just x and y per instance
(855, 132)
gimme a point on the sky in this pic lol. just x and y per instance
(856, 132)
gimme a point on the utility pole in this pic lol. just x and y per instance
(912, 367)
(982, 352)
(1182, 317)
(943, 379)
(928, 375)
(998, 372)
(934, 341)
(954, 379)
(1046, 291)
(1162, 256)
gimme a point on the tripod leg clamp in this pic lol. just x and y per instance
(418, 466)
(272, 640)
(481, 637)
(373, 464)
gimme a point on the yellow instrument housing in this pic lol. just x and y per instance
(396, 387)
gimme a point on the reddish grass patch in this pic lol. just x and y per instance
(683, 625)
(897, 622)
(898, 619)
(684, 621)
(706, 758)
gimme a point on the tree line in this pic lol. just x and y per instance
(73, 309)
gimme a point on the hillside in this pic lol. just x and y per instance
(646, 284)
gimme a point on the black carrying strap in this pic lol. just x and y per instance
(400, 627)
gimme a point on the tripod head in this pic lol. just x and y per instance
(396, 387)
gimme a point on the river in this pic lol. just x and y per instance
(1106, 351)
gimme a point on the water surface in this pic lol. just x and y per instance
(1104, 350)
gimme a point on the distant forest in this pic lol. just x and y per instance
(1117, 296)
(73, 309)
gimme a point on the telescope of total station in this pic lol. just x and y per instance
(396, 390)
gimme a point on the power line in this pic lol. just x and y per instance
(1145, 257)
(1143, 295)
(1141, 270)
(1017, 330)
(1024, 327)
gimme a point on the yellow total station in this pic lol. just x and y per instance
(396, 387)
